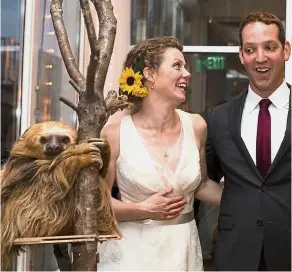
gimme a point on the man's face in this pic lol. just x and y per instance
(263, 56)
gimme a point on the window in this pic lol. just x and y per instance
(209, 32)
(216, 78)
(196, 22)
(52, 77)
(12, 24)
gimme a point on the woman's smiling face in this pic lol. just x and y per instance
(171, 78)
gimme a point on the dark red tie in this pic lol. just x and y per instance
(264, 138)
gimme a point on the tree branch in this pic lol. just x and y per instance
(75, 86)
(89, 25)
(114, 102)
(69, 103)
(94, 214)
(106, 39)
(63, 42)
(91, 33)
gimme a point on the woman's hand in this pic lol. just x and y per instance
(160, 207)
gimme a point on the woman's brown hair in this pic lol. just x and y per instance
(149, 53)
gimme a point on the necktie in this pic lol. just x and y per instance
(263, 152)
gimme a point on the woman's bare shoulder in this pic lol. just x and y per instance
(111, 131)
(117, 116)
(200, 127)
(199, 122)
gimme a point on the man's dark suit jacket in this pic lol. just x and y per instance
(255, 212)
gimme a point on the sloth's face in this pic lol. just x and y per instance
(55, 138)
(51, 137)
(53, 145)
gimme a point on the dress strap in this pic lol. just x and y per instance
(126, 134)
(188, 128)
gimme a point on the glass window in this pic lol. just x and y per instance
(196, 22)
(52, 76)
(216, 78)
(12, 22)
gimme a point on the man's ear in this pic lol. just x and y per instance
(287, 50)
(149, 74)
(241, 56)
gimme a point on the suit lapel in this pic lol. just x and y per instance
(286, 143)
(235, 115)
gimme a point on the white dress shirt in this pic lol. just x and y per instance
(278, 111)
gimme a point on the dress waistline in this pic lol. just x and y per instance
(181, 219)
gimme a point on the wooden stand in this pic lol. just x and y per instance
(23, 262)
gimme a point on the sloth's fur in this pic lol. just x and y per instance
(36, 195)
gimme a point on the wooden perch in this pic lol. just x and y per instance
(65, 239)
(94, 214)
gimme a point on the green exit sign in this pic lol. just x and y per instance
(210, 63)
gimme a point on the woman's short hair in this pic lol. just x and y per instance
(149, 53)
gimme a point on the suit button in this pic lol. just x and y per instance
(260, 223)
(265, 189)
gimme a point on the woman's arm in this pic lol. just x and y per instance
(157, 206)
(208, 190)
(213, 165)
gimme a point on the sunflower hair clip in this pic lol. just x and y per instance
(130, 83)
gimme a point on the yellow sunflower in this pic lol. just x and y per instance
(130, 81)
(141, 92)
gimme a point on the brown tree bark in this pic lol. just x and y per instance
(93, 205)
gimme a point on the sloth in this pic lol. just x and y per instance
(36, 183)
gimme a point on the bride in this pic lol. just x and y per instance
(158, 161)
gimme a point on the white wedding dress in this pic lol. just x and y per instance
(149, 245)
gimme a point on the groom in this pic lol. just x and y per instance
(249, 143)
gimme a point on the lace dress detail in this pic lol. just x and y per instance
(140, 173)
